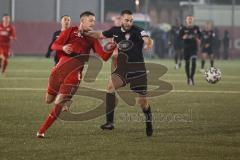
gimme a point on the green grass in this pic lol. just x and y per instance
(210, 128)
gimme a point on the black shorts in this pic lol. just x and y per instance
(137, 80)
(178, 45)
(207, 50)
(190, 53)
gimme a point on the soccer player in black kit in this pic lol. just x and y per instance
(131, 40)
(191, 37)
(206, 45)
(177, 43)
(65, 24)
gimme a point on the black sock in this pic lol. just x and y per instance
(176, 57)
(212, 62)
(193, 67)
(187, 68)
(148, 114)
(203, 63)
(110, 106)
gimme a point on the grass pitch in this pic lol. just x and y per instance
(200, 122)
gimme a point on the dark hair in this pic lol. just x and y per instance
(86, 13)
(126, 12)
(5, 14)
(65, 16)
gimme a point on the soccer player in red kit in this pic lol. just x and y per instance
(7, 33)
(66, 75)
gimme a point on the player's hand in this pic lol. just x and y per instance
(207, 45)
(185, 36)
(110, 46)
(148, 46)
(67, 49)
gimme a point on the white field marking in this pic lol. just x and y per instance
(174, 91)
(106, 79)
(101, 72)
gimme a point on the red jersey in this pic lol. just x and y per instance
(80, 44)
(6, 34)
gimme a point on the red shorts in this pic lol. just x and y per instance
(65, 78)
(4, 51)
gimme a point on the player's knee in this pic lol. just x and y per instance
(64, 101)
(143, 102)
(49, 98)
(110, 88)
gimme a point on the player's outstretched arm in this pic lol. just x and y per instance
(95, 34)
(148, 43)
(106, 52)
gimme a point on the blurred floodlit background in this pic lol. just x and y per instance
(36, 20)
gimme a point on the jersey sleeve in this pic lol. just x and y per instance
(109, 33)
(97, 47)
(61, 40)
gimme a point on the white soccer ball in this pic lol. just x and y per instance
(213, 75)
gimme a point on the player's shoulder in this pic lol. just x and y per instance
(115, 28)
(137, 28)
(184, 27)
(196, 27)
(57, 32)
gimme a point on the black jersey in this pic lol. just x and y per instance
(129, 42)
(55, 36)
(175, 38)
(193, 33)
(207, 38)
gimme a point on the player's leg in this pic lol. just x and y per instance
(187, 64)
(114, 83)
(203, 59)
(176, 58)
(143, 102)
(193, 69)
(62, 101)
(1, 56)
(4, 58)
(139, 86)
(49, 98)
(61, 93)
(180, 57)
(211, 56)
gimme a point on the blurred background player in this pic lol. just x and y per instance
(207, 40)
(226, 44)
(66, 75)
(177, 43)
(65, 24)
(7, 33)
(191, 38)
(136, 39)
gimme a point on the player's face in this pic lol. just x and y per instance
(88, 23)
(66, 22)
(189, 20)
(208, 26)
(6, 20)
(117, 21)
(127, 21)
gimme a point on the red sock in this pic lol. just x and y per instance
(51, 118)
(5, 63)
